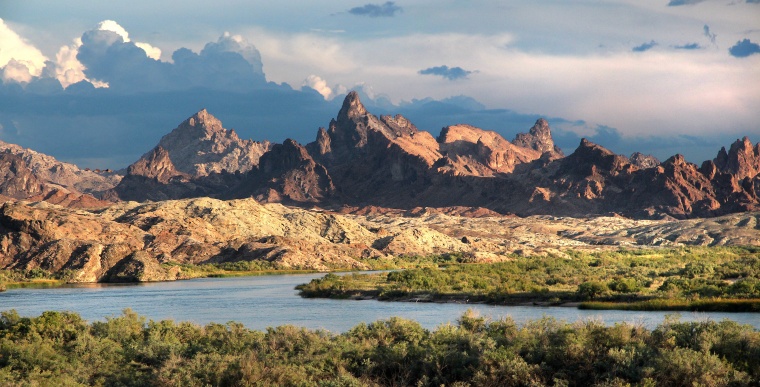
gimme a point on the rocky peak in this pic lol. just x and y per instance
(49, 170)
(741, 160)
(201, 124)
(200, 146)
(592, 159)
(539, 138)
(287, 171)
(352, 107)
(643, 161)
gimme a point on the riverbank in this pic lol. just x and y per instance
(694, 279)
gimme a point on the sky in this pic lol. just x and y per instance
(98, 83)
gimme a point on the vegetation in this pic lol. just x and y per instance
(725, 278)
(59, 348)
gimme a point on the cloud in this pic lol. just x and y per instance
(644, 46)
(688, 46)
(709, 34)
(388, 9)
(110, 25)
(320, 85)
(27, 60)
(230, 63)
(451, 74)
(744, 48)
(675, 3)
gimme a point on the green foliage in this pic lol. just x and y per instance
(617, 277)
(61, 349)
(591, 290)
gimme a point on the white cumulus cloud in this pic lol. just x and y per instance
(20, 59)
(320, 85)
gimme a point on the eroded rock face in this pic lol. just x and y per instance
(200, 146)
(476, 152)
(287, 173)
(63, 175)
(129, 241)
(742, 160)
(18, 181)
(538, 138)
(643, 161)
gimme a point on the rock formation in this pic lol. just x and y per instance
(64, 175)
(538, 138)
(200, 146)
(643, 161)
(364, 161)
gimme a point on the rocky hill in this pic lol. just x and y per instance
(26, 174)
(129, 241)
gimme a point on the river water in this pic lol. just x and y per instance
(261, 302)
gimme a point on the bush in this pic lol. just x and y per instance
(591, 290)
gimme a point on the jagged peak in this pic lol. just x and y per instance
(541, 126)
(352, 107)
(539, 137)
(202, 120)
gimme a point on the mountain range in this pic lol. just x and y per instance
(367, 186)
(362, 160)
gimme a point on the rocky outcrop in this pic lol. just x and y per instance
(538, 138)
(62, 175)
(472, 151)
(287, 173)
(643, 161)
(18, 181)
(200, 146)
(742, 160)
(129, 241)
(198, 158)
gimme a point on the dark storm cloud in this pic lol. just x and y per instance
(744, 48)
(450, 73)
(689, 46)
(675, 3)
(388, 9)
(710, 35)
(644, 46)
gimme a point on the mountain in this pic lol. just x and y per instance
(63, 175)
(28, 175)
(200, 146)
(198, 158)
(365, 161)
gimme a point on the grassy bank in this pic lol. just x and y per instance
(60, 349)
(675, 279)
(701, 305)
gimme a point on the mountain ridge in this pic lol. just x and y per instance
(362, 160)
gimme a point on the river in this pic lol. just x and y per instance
(265, 301)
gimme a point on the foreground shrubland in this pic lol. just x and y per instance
(59, 348)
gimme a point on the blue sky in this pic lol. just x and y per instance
(658, 77)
